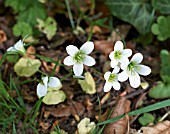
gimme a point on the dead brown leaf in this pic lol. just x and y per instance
(30, 51)
(160, 128)
(120, 126)
(104, 46)
(3, 37)
(76, 109)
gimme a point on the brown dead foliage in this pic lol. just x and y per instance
(160, 128)
(3, 36)
(120, 126)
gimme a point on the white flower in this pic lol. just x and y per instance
(47, 84)
(18, 47)
(112, 80)
(133, 69)
(119, 55)
(79, 57)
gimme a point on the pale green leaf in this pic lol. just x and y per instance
(54, 97)
(24, 68)
(49, 27)
(136, 12)
(85, 126)
(146, 119)
(61, 132)
(88, 85)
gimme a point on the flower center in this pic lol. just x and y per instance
(112, 77)
(79, 57)
(131, 67)
(117, 54)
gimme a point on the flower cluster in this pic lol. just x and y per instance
(79, 57)
(131, 69)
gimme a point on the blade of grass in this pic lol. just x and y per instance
(149, 108)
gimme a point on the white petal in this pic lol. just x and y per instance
(134, 80)
(107, 75)
(45, 80)
(54, 82)
(123, 76)
(12, 49)
(41, 90)
(19, 46)
(78, 69)
(107, 87)
(124, 63)
(118, 46)
(71, 50)
(127, 52)
(68, 61)
(111, 55)
(116, 85)
(87, 47)
(138, 57)
(89, 61)
(113, 63)
(143, 70)
(116, 70)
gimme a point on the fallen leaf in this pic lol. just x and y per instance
(160, 128)
(76, 109)
(120, 126)
(3, 37)
(95, 29)
(44, 125)
(108, 46)
(30, 51)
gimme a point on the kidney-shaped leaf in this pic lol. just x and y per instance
(88, 85)
(160, 91)
(54, 97)
(24, 68)
(136, 12)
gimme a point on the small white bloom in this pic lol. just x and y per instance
(119, 55)
(47, 83)
(18, 47)
(112, 80)
(79, 57)
(133, 69)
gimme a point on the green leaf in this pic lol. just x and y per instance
(17, 5)
(49, 27)
(54, 97)
(165, 66)
(136, 12)
(161, 28)
(160, 91)
(34, 10)
(22, 29)
(27, 68)
(12, 58)
(146, 119)
(88, 85)
(162, 5)
(61, 132)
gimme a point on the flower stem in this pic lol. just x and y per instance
(70, 14)
(34, 68)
